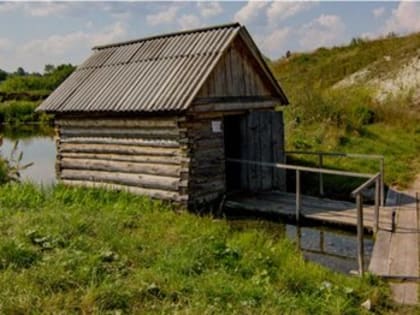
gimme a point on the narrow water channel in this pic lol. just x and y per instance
(333, 248)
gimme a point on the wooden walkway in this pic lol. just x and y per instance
(395, 255)
(326, 211)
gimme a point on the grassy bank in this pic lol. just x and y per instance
(323, 118)
(78, 250)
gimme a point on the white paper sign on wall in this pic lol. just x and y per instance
(216, 126)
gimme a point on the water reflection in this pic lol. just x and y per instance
(332, 248)
(38, 147)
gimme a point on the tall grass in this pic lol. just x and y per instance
(93, 251)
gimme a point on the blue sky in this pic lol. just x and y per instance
(33, 34)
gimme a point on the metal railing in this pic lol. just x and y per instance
(371, 178)
(358, 194)
(322, 154)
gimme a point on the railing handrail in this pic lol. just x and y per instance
(357, 193)
(339, 154)
(321, 155)
(366, 184)
(303, 168)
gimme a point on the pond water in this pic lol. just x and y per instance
(38, 147)
(333, 248)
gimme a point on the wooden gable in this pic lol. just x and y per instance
(237, 77)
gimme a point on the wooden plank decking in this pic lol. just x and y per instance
(326, 211)
(396, 254)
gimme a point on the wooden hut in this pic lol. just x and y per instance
(160, 115)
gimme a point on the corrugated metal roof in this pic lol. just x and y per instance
(158, 73)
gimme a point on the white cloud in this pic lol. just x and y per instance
(189, 21)
(378, 12)
(9, 6)
(250, 11)
(209, 9)
(63, 44)
(325, 30)
(162, 17)
(275, 42)
(47, 8)
(281, 10)
(405, 18)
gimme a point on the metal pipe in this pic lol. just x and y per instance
(360, 231)
(298, 197)
(382, 170)
(321, 176)
(302, 168)
(377, 201)
(365, 185)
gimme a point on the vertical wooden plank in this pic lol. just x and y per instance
(252, 146)
(245, 185)
(228, 66)
(277, 132)
(266, 150)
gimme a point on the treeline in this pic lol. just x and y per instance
(21, 92)
(22, 85)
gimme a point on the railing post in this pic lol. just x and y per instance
(321, 176)
(382, 170)
(298, 197)
(360, 245)
(377, 201)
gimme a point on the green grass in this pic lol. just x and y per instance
(325, 67)
(68, 250)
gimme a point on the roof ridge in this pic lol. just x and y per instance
(202, 29)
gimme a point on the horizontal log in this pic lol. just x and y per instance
(110, 140)
(117, 122)
(235, 99)
(118, 149)
(235, 106)
(123, 167)
(144, 181)
(151, 159)
(121, 132)
(154, 193)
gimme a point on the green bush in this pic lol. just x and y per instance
(16, 112)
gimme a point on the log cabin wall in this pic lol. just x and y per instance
(206, 182)
(143, 155)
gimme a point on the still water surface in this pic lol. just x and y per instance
(38, 147)
(335, 249)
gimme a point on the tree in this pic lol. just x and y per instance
(20, 71)
(49, 68)
(3, 75)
